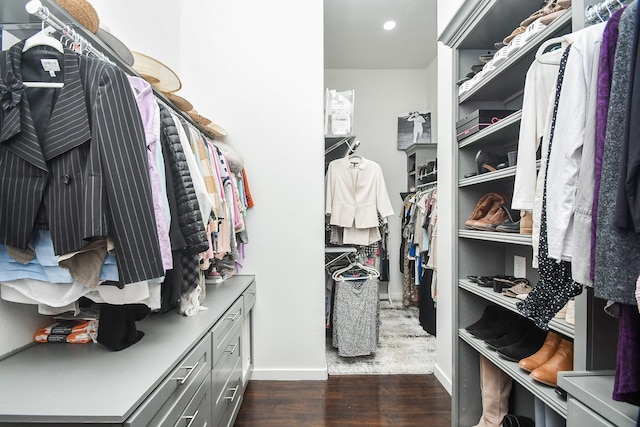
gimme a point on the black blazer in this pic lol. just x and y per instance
(75, 159)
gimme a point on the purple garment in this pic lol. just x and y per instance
(626, 386)
(607, 54)
(150, 114)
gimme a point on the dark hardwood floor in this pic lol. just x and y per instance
(347, 400)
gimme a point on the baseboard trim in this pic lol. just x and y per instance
(444, 380)
(289, 375)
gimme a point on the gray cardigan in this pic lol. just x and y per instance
(617, 252)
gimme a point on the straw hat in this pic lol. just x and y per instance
(179, 101)
(215, 130)
(210, 128)
(155, 72)
(87, 16)
(83, 12)
(199, 119)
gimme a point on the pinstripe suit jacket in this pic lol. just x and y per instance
(85, 172)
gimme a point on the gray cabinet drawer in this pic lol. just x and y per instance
(228, 397)
(222, 369)
(167, 401)
(221, 330)
(579, 415)
(198, 411)
(249, 297)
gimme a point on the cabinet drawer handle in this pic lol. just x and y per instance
(233, 316)
(235, 391)
(186, 377)
(235, 345)
(191, 418)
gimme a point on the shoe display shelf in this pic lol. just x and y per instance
(505, 129)
(475, 28)
(502, 82)
(497, 298)
(417, 156)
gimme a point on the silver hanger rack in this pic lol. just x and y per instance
(602, 11)
(350, 141)
(427, 185)
(77, 43)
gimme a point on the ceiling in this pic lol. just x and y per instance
(354, 37)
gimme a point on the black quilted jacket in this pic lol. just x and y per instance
(188, 218)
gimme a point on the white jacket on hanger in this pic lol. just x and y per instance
(535, 124)
(571, 165)
(356, 193)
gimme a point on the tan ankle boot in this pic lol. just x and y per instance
(483, 206)
(497, 213)
(543, 355)
(562, 360)
(526, 222)
(495, 388)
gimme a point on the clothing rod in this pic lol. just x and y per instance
(428, 184)
(345, 140)
(602, 11)
(35, 7)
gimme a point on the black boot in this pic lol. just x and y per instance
(500, 328)
(489, 317)
(531, 341)
(516, 331)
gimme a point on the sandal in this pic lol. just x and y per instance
(521, 29)
(482, 281)
(516, 291)
(486, 57)
(548, 19)
(547, 9)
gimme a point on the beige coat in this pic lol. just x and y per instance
(356, 193)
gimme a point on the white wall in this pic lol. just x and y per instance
(256, 68)
(380, 95)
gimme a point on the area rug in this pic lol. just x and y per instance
(404, 347)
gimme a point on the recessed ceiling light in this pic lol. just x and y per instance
(389, 25)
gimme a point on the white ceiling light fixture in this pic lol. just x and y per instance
(389, 25)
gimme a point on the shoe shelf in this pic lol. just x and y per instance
(506, 129)
(502, 83)
(543, 392)
(496, 236)
(558, 325)
(507, 172)
(489, 176)
(474, 30)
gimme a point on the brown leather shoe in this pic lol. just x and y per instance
(496, 215)
(562, 360)
(543, 355)
(484, 204)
